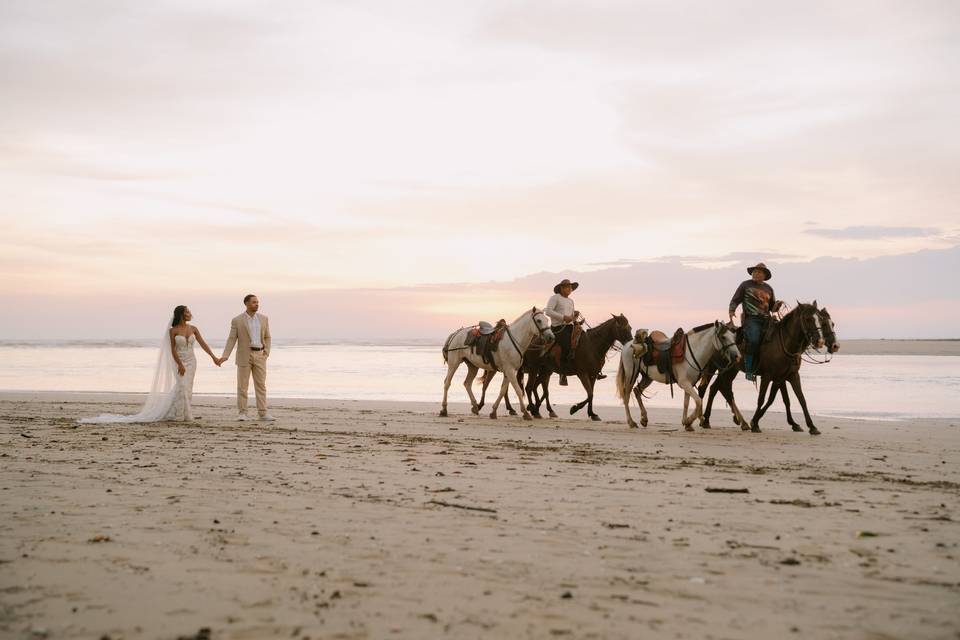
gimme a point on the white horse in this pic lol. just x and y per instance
(702, 345)
(507, 358)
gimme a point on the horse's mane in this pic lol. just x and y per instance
(535, 312)
(796, 309)
(702, 327)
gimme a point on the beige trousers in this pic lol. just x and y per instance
(257, 367)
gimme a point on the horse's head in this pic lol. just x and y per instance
(810, 324)
(543, 324)
(621, 329)
(725, 341)
(829, 331)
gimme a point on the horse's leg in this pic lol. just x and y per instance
(468, 385)
(786, 405)
(589, 382)
(795, 383)
(585, 381)
(506, 400)
(451, 369)
(503, 391)
(727, 390)
(515, 381)
(531, 390)
(755, 422)
(638, 393)
(544, 381)
(690, 393)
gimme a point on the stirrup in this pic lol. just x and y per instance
(601, 376)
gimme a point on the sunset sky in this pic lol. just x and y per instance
(383, 169)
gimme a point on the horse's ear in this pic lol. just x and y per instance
(814, 304)
(824, 310)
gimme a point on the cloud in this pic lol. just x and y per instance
(866, 232)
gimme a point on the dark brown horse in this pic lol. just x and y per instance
(779, 363)
(588, 360)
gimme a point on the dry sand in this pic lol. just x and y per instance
(380, 520)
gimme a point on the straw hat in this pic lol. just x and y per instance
(556, 289)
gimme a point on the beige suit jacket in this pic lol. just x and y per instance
(240, 337)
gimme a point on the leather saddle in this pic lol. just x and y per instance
(556, 351)
(484, 338)
(664, 351)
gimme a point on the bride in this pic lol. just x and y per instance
(172, 391)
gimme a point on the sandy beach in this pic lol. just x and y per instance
(381, 520)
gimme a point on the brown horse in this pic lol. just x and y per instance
(588, 359)
(779, 363)
(830, 343)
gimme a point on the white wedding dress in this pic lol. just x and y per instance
(171, 395)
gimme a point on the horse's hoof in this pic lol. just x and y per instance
(553, 414)
(595, 418)
(643, 422)
(493, 415)
(536, 414)
(631, 424)
(705, 425)
(574, 409)
(526, 416)
(814, 431)
(796, 427)
(736, 421)
(755, 429)
(443, 413)
(513, 412)
(475, 410)
(687, 427)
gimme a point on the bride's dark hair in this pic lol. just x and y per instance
(178, 314)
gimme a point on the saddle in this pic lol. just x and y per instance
(664, 351)
(484, 338)
(556, 351)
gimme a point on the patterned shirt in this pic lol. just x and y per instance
(756, 297)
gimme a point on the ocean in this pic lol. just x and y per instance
(876, 387)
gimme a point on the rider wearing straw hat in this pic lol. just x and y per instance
(561, 312)
(758, 301)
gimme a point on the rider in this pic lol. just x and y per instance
(561, 313)
(758, 301)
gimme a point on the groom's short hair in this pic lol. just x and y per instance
(247, 297)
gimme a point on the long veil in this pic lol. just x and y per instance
(162, 393)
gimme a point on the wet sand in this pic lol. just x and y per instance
(900, 347)
(378, 520)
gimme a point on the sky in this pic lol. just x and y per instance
(380, 169)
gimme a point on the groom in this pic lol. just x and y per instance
(250, 331)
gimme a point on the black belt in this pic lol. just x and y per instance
(256, 348)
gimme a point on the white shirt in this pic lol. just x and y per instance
(253, 326)
(557, 307)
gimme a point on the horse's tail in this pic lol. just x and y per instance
(621, 378)
(446, 345)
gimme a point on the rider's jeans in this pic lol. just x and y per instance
(753, 332)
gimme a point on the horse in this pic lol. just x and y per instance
(702, 344)
(507, 358)
(831, 345)
(779, 362)
(588, 360)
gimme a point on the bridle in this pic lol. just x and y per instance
(724, 347)
(811, 337)
(540, 330)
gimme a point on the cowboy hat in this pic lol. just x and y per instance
(766, 272)
(556, 289)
